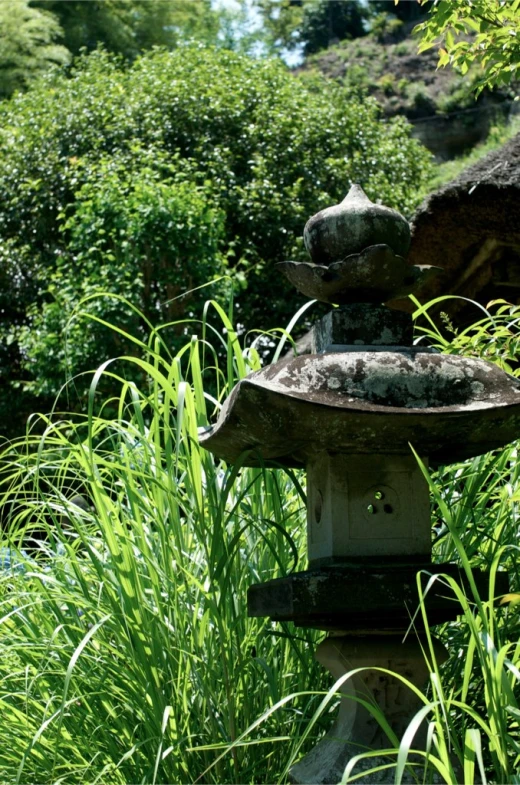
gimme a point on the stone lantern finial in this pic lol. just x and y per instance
(353, 225)
(357, 250)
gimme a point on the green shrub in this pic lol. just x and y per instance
(387, 83)
(356, 76)
(460, 94)
(133, 232)
(402, 49)
(402, 86)
(246, 149)
(420, 99)
(383, 26)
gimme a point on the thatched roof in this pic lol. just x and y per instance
(471, 228)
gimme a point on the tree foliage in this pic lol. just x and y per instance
(485, 33)
(127, 27)
(408, 11)
(28, 45)
(325, 22)
(312, 24)
(147, 181)
(29, 34)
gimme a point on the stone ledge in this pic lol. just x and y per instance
(362, 598)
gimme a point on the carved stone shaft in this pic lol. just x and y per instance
(356, 730)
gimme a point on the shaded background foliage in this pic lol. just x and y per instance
(29, 44)
(129, 26)
(149, 180)
(315, 25)
(34, 34)
(312, 24)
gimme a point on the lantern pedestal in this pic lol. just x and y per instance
(378, 662)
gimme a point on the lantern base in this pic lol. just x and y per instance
(365, 599)
(381, 662)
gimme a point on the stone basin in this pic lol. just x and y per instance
(448, 407)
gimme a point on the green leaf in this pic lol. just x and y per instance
(444, 57)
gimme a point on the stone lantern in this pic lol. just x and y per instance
(349, 413)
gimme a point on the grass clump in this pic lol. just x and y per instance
(125, 641)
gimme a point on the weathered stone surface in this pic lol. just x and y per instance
(448, 407)
(363, 598)
(352, 226)
(405, 381)
(361, 325)
(374, 275)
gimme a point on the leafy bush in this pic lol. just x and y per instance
(402, 49)
(384, 26)
(387, 83)
(135, 233)
(420, 99)
(239, 153)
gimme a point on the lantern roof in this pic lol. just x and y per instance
(449, 408)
